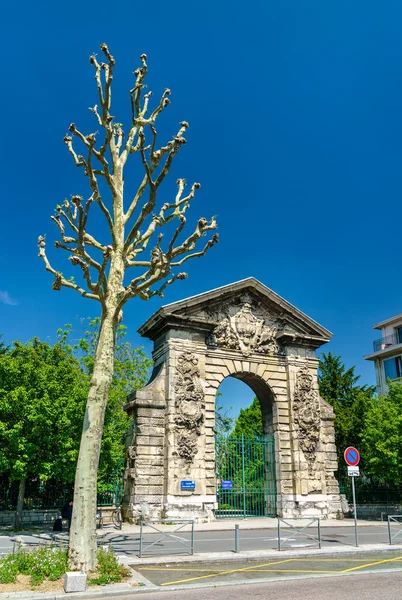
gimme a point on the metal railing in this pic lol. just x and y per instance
(167, 534)
(394, 519)
(49, 495)
(298, 530)
(386, 342)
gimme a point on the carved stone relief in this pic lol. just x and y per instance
(190, 406)
(245, 332)
(307, 415)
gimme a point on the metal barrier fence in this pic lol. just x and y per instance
(394, 519)
(298, 530)
(167, 534)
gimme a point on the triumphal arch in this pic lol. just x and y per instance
(242, 330)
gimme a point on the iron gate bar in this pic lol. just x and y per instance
(394, 519)
(167, 534)
(248, 465)
(299, 531)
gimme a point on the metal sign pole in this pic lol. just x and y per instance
(354, 509)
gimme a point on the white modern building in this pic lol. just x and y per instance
(387, 352)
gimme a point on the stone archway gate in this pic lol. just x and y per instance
(247, 331)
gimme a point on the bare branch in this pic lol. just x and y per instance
(177, 142)
(214, 240)
(77, 260)
(189, 244)
(146, 294)
(157, 162)
(93, 61)
(172, 148)
(94, 109)
(68, 140)
(135, 92)
(59, 280)
(137, 198)
(108, 75)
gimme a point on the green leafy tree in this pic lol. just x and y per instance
(249, 421)
(339, 387)
(382, 437)
(337, 384)
(43, 390)
(42, 401)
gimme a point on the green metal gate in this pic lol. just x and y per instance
(245, 476)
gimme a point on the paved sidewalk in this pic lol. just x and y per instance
(218, 525)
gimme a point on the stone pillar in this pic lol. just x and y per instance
(188, 427)
(145, 468)
(315, 489)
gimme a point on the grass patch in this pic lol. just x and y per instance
(49, 563)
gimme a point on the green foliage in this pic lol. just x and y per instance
(42, 400)
(109, 570)
(249, 421)
(336, 383)
(8, 569)
(382, 437)
(131, 365)
(43, 391)
(49, 562)
(339, 387)
(45, 562)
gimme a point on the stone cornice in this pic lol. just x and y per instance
(176, 315)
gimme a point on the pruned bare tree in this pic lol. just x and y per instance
(134, 242)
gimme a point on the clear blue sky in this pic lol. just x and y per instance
(295, 112)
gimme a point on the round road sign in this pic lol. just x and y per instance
(352, 456)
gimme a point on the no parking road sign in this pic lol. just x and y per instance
(352, 456)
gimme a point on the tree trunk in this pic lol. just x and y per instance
(20, 505)
(82, 547)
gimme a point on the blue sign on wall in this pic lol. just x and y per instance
(187, 485)
(227, 484)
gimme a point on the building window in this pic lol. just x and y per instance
(398, 331)
(393, 367)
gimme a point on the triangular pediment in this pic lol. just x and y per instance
(246, 301)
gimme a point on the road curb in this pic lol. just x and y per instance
(144, 585)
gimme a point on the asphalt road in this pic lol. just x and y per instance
(223, 541)
(384, 586)
(167, 575)
(263, 539)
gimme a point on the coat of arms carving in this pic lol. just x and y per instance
(245, 332)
